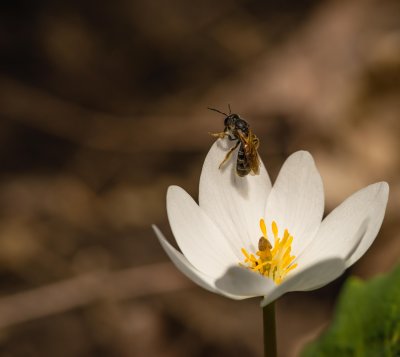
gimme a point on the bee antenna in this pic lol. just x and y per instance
(230, 111)
(218, 111)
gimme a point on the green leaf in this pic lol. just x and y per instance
(366, 321)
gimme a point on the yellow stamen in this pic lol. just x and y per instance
(273, 262)
(274, 229)
(263, 228)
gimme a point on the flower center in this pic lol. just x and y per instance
(272, 262)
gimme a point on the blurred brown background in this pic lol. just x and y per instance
(103, 106)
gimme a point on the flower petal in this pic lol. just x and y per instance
(376, 216)
(308, 278)
(183, 265)
(296, 201)
(200, 240)
(188, 269)
(234, 203)
(241, 281)
(349, 230)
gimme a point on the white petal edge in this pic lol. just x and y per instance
(377, 214)
(234, 203)
(183, 265)
(308, 278)
(201, 242)
(350, 229)
(296, 201)
(242, 281)
(188, 269)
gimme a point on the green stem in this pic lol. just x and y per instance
(269, 330)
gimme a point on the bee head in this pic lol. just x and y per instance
(231, 120)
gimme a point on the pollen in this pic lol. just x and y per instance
(272, 261)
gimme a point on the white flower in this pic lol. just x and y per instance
(220, 237)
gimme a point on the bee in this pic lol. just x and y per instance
(236, 128)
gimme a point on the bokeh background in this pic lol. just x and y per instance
(103, 106)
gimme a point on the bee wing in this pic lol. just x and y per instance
(255, 164)
(250, 144)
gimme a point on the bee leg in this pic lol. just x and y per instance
(220, 135)
(256, 142)
(228, 155)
